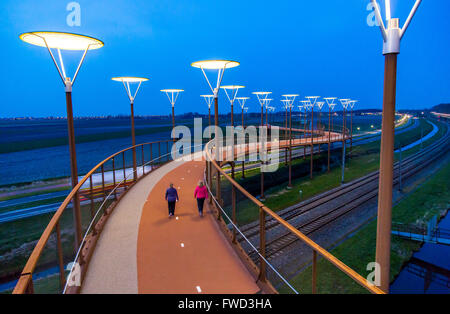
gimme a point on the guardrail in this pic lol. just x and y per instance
(214, 172)
(119, 170)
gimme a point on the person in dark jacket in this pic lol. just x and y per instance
(171, 198)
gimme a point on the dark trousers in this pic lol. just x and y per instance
(171, 207)
(200, 202)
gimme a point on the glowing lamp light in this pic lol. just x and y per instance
(215, 64)
(63, 41)
(129, 79)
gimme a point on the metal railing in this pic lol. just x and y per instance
(214, 175)
(94, 188)
(106, 183)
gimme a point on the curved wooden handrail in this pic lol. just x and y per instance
(314, 246)
(26, 274)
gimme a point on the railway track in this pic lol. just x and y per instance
(340, 201)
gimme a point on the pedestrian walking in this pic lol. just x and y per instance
(200, 193)
(171, 198)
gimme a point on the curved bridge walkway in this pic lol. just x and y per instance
(141, 250)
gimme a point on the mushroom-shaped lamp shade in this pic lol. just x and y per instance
(60, 40)
(215, 64)
(129, 79)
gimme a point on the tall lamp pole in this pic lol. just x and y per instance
(242, 101)
(126, 80)
(392, 36)
(312, 101)
(262, 96)
(344, 103)
(306, 107)
(330, 102)
(67, 41)
(231, 91)
(352, 105)
(208, 99)
(289, 100)
(220, 66)
(172, 95)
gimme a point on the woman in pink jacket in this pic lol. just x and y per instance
(200, 193)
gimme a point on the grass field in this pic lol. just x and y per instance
(432, 198)
(364, 161)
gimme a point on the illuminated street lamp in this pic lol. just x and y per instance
(305, 124)
(267, 106)
(242, 101)
(351, 103)
(344, 103)
(290, 99)
(172, 95)
(391, 47)
(233, 90)
(126, 81)
(319, 124)
(330, 102)
(262, 96)
(67, 41)
(312, 101)
(220, 66)
(208, 99)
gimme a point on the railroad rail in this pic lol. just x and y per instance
(341, 200)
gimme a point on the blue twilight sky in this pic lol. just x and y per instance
(308, 47)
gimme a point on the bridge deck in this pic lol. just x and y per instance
(141, 250)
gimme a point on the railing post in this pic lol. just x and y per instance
(159, 152)
(233, 203)
(114, 178)
(103, 183)
(62, 277)
(167, 152)
(262, 244)
(314, 272)
(124, 171)
(151, 153)
(143, 161)
(91, 192)
(218, 193)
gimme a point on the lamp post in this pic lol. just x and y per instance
(352, 105)
(242, 101)
(391, 48)
(126, 80)
(262, 96)
(220, 66)
(208, 99)
(312, 101)
(67, 41)
(289, 101)
(172, 95)
(233, 89)
(319, 124)
(344, 103)
(305, 106)
(267, 106)
(331, 104)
